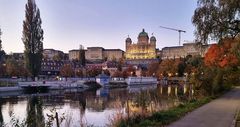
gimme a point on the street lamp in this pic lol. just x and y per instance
(169, 74)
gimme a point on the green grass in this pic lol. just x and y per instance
(164, 117)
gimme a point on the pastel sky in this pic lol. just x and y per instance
(104, 23)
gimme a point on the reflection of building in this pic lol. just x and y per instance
(143, 49)
(183, 51)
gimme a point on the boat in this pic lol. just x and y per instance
(103, 79)
(141, 80)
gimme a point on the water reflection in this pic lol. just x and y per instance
(1, 116)
(89, 107)
(35, 117)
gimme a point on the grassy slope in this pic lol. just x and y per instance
(164, 117)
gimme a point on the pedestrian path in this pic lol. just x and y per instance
(217, 113)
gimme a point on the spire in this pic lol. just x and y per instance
(143, 30)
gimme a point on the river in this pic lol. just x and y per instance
(93, 107)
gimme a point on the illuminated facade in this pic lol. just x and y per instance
(143, 49)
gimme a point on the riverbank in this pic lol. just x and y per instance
(163, 118)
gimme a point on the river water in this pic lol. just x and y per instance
(76, 107)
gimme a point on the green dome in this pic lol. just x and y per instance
(143, 34)
(153, 38)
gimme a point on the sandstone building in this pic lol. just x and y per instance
(74, 54)
(113, 54)
(52, 54)
(94, 54)
(100, 54)
(183, 51)
(143, 49)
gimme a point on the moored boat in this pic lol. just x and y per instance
(141, 80)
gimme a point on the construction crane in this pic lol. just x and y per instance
(179, 32)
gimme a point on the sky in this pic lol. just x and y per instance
(102, 23)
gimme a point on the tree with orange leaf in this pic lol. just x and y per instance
(222, 55)
(67, 71)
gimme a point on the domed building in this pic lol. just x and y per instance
(143, 49)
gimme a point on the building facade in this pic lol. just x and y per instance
(145, 48)
(53, 54)
(182, 51)
(101, 54)
(74, 54)
(53, 67)
(94, 54)
(113, 54)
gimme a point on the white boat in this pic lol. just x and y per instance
(141, 80)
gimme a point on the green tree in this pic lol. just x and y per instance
(12, 67)
(2, 53)
(216, 19)
(32, 38)
(0, 40)
(82, 59)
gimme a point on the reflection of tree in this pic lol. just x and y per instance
(142, 101)
(82, 106)
(35, 116)
(1, 116)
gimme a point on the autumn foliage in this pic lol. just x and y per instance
(221, 55)
(67, 71)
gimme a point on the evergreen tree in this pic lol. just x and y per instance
(2, 53)
(82, 56)
(0, 40)
(32, 38)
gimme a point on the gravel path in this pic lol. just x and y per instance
(217, 113)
